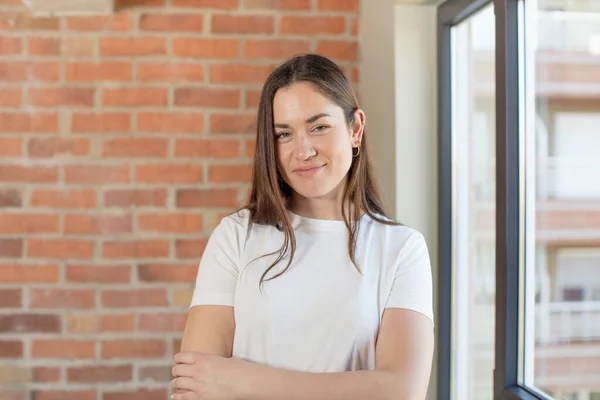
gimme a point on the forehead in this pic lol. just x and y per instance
(301, 101)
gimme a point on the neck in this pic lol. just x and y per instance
(327, 207)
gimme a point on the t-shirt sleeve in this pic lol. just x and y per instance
(412, 286)
(218, 269)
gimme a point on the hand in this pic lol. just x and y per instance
(206, 377)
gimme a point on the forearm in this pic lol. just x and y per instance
(268, 383)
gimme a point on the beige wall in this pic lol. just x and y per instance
(398, 93)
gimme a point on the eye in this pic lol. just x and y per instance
(320, 128)
(282, 135)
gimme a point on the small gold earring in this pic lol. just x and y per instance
(357, 152)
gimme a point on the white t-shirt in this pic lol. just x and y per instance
(321, 315)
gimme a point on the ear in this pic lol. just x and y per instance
(357, 127)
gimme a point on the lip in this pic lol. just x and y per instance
(308, 172)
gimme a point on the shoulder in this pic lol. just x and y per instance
(400, 234)
(404, 244)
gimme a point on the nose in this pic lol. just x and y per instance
(303, 147)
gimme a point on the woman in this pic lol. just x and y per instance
(310, 291)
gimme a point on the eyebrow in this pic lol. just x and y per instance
(308, 121)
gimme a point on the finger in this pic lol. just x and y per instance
(184, 370)
(183, 384)
(184, 395)
(186, 357)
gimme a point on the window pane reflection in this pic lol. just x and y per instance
(473, 128)
(563, 319)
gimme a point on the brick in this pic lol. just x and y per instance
(216, 4)
(30, 122)
(275, 49)
(10, 298)
(239, 73)
(135, 198)
(339, 49)
(278, 4)
(40, 46)
(170, 72)
(53, 147)
(156, 373)
(169, 173)
(229, 173)
(123, 4)
(206, 48)
(18, 273)
(233, 123)
(312, 25)
(61, 298)
(250, 148)
(172, 22)
(170, 122)
(26, 21)
(135, 147)
(11, 224)
(134, 298)
(11, 147)
(253, 98)
(97, 224)
(97, 174)
(242, 24)
(167, 273)
(135, 97)
(207, 97)
(11, 349)
(67, 348)
(181, 297)
(63, 395)
(355, 26)
(46, 374)
(104, 274)
(117, 22)
(11, 97)
(30, 323)
(89, 71)
(133, 349)
(63, 198)
(146, 394)
(21, 71)
(11, 248)
(100, 374)
(338, 5)
(124, 249)
(171, 322)
(170, 223)
(190, 248)
(109, 122)
(14, 394)
(207, 198)
(207, 148)
(10, 198)
(14, 374)
(78, 46)
(60, 248)
(133, 47)
(61, 96)
(176, 345)
(100, 323)
(28, 174)
(10, 46)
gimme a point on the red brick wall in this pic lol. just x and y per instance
(123, 140)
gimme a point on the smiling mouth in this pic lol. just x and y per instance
(310, 171)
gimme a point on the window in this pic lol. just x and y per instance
(473, 175)
(519, 173)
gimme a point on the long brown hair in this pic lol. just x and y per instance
(270, 193)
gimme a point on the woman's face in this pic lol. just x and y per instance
(313, 141)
